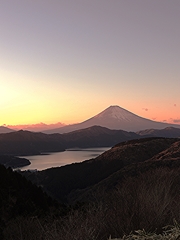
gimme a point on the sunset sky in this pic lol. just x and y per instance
(67, 60)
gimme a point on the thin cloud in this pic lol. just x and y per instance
(176, 120)
(36, 127)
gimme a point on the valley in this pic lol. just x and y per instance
(25, 143)
(90, 120)
(135, 154)
(133, 184)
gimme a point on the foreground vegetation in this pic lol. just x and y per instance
(149, 201)
(133, 186)
(52, 232)
(169, 233)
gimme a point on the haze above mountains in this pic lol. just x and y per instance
(39, 127)
(114, 117)
(117, 118)
(106, 129)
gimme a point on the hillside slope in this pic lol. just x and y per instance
(170, 132)
(21, 201)
(60, 182)
(30, 143)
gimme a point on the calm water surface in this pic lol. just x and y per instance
(41, 162)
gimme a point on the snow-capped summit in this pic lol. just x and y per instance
(115, 117)
(117, 113)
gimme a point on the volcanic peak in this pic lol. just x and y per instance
(117, 112)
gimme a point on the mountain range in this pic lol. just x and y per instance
(34, 143)
(31, 143)
(115, 117)
(80, 181)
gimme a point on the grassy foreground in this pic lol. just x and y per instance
(170, 233)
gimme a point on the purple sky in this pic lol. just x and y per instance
(67, 60)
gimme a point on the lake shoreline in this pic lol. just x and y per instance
(59, 159)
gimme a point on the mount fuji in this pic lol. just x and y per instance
(115, 117)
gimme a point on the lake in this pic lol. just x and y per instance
(58, 159)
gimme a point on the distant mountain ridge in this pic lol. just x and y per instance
(166, 132)
(31, 143)
(96, 136)
(6, 130)
(39, 127)
(117, 118)
(28, 143)
(113, 117)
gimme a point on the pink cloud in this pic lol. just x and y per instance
(36, 127)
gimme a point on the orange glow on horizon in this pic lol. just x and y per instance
(21, 118)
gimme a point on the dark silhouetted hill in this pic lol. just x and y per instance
(13, 162)
(29, 143)
(20, 199)
(61, 182)
(96, 136)
(134, 185)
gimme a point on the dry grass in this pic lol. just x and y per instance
(149, 202)
(169, 233)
